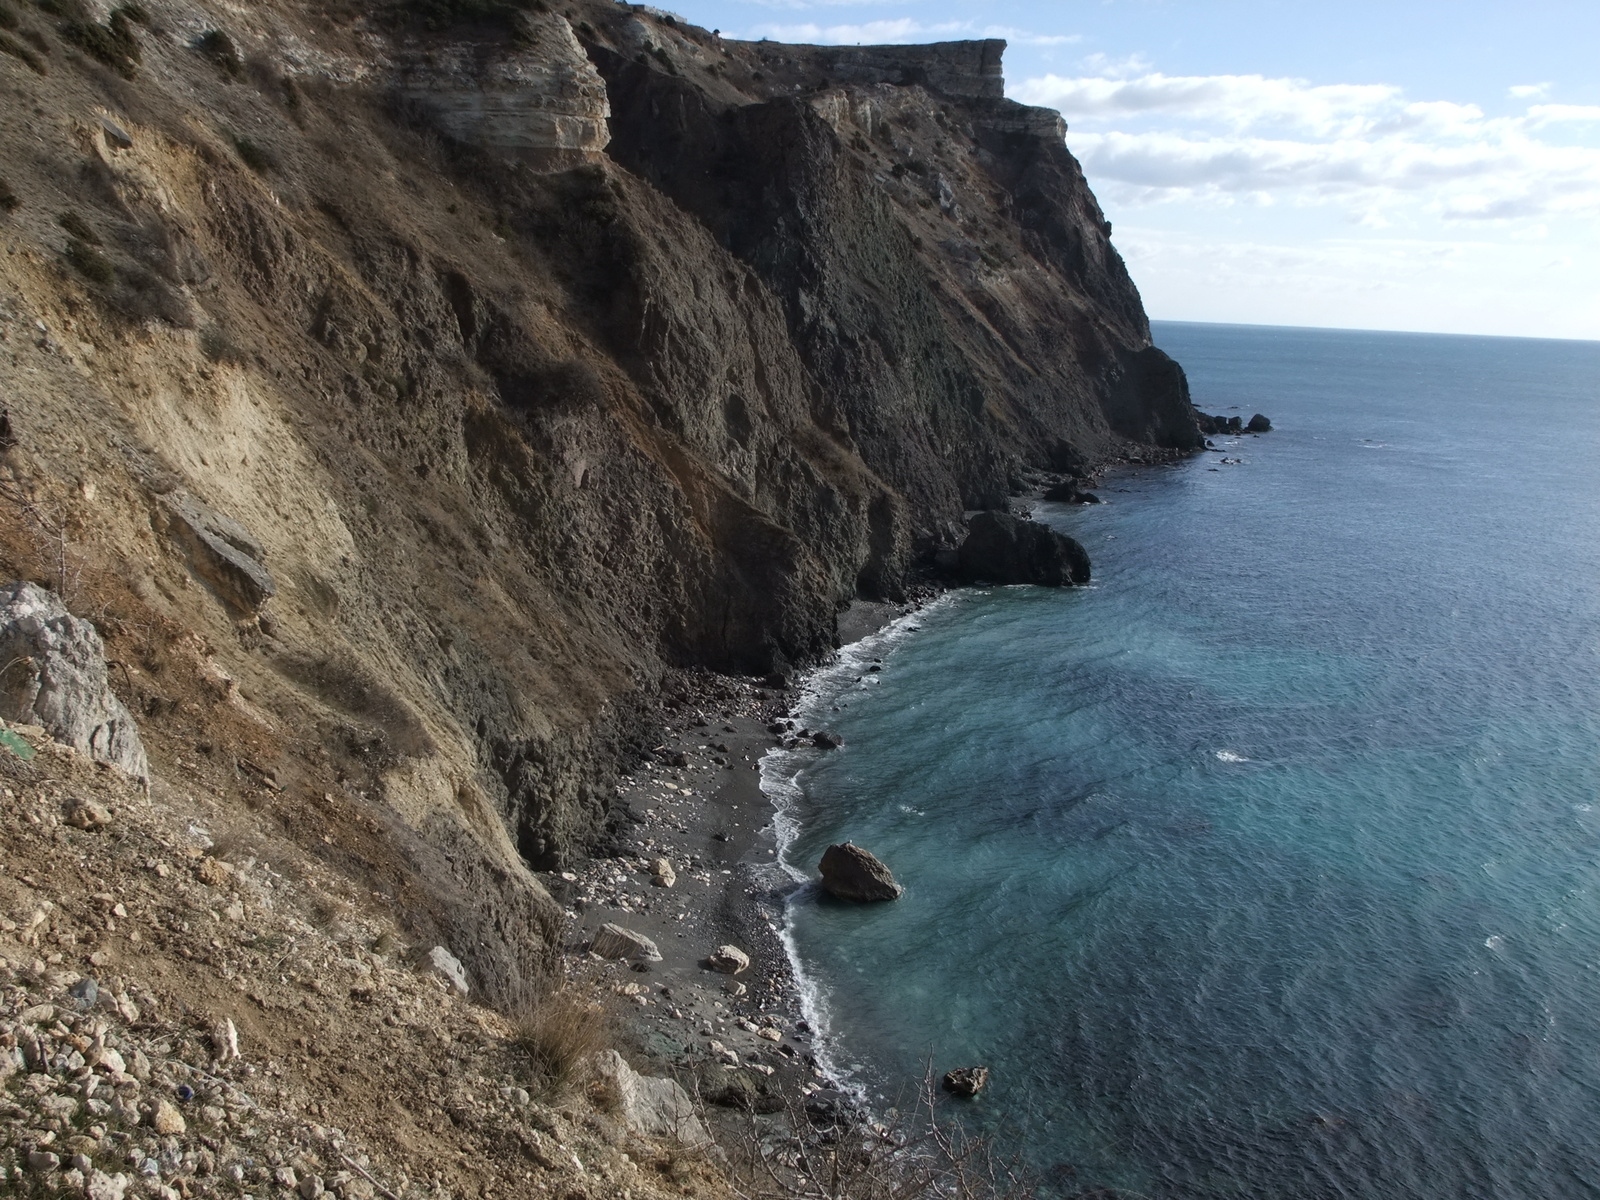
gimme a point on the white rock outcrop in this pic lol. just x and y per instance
(650, 1106)
(53, 673)
(534, 96)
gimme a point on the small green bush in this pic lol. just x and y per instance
(10, 45)
(8, 198)
(112, 43)
(78, 227)
(219, 48)
(257, 158)
(91, 264)
(8, 19)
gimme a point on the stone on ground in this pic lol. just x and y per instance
(55, 676)
(651, 1107)
(730, 960)
(613, 941)
(449, 968)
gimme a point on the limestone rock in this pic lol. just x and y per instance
(536, 97)
(613, 941)
(651, 1107)
(87, 814)
(966, 1081)
(662, 874)
(55, 675)
(851, 873)
(1001, 548)
(730, 960)
(167, 1120)
(107, 1187)
(222, 552)
(449, 968)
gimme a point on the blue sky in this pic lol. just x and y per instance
(1423, 166)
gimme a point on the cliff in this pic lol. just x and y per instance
(416, 397)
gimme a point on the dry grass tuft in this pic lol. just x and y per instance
(559, 1032)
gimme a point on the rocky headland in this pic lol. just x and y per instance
(447, 417)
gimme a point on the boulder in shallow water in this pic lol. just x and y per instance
(1001, 548)
(851, 873)
(1259, 424)
(966, 1081)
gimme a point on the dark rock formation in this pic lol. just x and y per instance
(966, 1081)
(222, 552)
(1259, 424)
(1001, 548)
(1068, 493)
(851, 873)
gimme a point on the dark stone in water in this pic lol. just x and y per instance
(966, 1081)
(1001, 548)
(1259, 424)
(851, 873)
(826, 740)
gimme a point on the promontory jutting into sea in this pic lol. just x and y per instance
(595, 610)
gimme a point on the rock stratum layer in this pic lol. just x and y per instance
(414, 405)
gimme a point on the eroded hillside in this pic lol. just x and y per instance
(414, 403)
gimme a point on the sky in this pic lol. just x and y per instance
(1400, 165)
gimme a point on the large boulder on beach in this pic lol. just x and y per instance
(613, 941)
(1001, 548)
(53, 673)
(851, 873)
(730, 960)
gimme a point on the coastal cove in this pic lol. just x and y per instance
(1267, 864)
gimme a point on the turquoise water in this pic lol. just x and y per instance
(1269, 865)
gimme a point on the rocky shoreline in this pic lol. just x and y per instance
(740, 1041)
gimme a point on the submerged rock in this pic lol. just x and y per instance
(851, 873)
(966, 1081)
(1001, 548)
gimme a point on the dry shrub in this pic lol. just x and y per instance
(559, 1032)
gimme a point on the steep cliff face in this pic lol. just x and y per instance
(507, 411)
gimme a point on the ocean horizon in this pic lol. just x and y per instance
(1269, 863)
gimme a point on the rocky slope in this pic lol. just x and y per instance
(416, 396)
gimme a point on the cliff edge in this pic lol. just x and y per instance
(418, 398)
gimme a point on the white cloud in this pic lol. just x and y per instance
(1529, 91)
(1231, 139)
(1549, 114)
(1470, 285)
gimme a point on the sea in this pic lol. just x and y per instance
(1267, 865)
